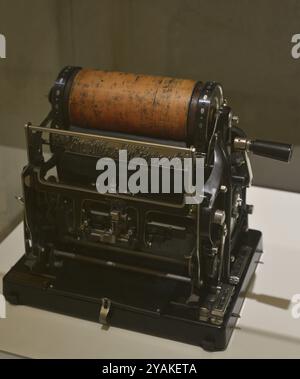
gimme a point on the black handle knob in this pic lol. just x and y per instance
(274, 150)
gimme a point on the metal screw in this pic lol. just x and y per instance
(234, 280)
(219, 217)
(20, 199)
(239, 201)
(235, 120)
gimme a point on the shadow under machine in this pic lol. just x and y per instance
(150, 262)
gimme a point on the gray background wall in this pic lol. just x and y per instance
(245, 45)
(32, 60)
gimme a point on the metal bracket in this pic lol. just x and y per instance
(249, 168)
(104, 311)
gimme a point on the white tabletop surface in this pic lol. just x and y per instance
(266, 328)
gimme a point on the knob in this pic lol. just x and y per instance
(274, 150)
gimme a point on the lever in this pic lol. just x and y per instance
(274, 150)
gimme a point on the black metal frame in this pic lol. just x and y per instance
(193, 296)
(72, 294)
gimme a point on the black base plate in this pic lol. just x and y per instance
(139, 302)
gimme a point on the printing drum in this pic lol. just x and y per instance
(151, 106)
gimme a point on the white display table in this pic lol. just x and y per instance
(266, 328)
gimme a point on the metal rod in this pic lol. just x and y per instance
(121, 266)
(188, 150)
(136, 253)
